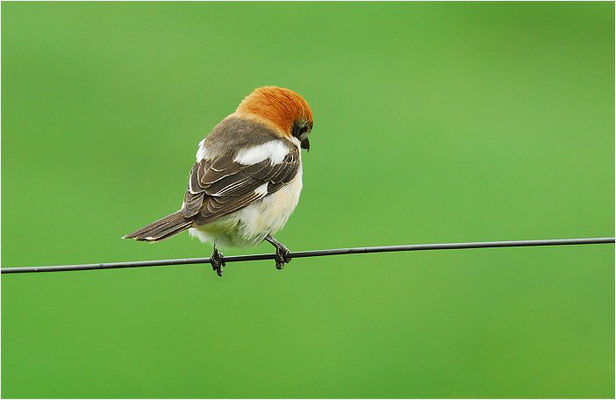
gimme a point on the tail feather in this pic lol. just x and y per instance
(161, 229)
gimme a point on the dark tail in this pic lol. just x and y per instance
(161, 229)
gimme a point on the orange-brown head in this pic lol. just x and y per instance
(282, 108)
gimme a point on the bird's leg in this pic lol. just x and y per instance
(283, 255)
(217, 261)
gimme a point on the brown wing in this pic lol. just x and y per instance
(220, 187)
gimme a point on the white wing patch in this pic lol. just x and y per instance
(201, 151)
(275, 150)
(262, 190)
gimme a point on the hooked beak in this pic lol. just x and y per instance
(305, 144)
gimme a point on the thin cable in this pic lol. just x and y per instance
(315, 253)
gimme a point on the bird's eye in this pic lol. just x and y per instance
(300, 130)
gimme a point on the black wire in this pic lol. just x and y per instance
(315, 253)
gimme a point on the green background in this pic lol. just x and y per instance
(433, 123)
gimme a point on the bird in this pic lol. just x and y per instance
(247, 177)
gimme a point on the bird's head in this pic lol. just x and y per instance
(281, 108)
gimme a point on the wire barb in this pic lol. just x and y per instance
(315, 253)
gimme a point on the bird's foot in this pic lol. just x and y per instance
(217, 261)
(283, 255)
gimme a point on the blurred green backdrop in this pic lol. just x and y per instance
(433, 123)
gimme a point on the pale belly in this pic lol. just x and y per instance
(250, 225)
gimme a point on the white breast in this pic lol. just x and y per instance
(269, 215)
(250, 225)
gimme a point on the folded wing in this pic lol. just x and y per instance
(222, 186)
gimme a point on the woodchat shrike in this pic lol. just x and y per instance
(247, 177)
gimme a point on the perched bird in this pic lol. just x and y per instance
(247, 178)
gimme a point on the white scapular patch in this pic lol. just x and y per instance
(200, 151)
(275, 150)
(262, 190)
